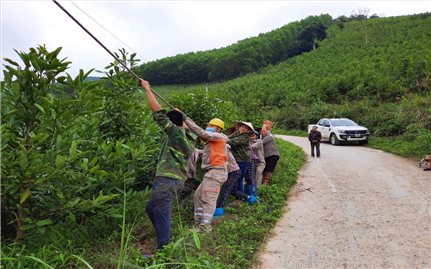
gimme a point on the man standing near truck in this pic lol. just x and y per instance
(314, 137)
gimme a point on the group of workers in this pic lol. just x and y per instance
(227, 160)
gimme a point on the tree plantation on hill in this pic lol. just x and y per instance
(382, 83)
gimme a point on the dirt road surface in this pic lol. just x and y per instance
(354, 207)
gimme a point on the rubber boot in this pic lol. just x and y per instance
(251, 200)
(218, 213)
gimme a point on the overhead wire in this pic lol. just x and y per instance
(107, 50)
(109, 32)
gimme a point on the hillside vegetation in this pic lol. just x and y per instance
(375, 71)
(241, 58)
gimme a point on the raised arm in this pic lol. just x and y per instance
(267, 139)
(204, 135)
(257, 144)
(152, 101)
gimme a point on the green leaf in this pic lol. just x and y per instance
(24, 196)
(44, 222)
(177, 244)
(125, 146)
(196, 239)
(59, 161)
(94, 161)
(40, 108)
(27, 220)
(83, 261)
(72, 150)
(118, 148)
(94, 169)
(54, 53)
(26, 227)
(40, 261)
(102, 173)
(11, 62)
(118, 216)
(84, 164)
(102, 199)
(72, 204)
(72, 217)
(60, 194)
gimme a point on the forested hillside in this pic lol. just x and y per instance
(375, 71)
(241, 58)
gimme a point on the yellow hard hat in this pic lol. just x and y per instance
(217, 122)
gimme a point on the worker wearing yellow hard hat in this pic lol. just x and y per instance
(214, 160)
(216, 122)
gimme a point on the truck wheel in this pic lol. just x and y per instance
(365, 142)
(334, 140)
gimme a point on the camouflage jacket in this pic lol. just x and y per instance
(177, 146)
(240, 146)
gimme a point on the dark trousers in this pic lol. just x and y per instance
(163, 193)
(230, 187)
(243, 166)
(271, 163)
(250, 177)
(313, 145)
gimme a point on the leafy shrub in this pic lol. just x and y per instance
(70, 146)
(202, 107)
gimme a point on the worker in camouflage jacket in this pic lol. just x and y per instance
(177, 147)
(239, 142)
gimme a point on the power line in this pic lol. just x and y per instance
(107, 50)
(104, 28)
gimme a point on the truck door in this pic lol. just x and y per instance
(325, 127)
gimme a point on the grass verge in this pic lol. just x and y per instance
(404, 145)
(300, 133)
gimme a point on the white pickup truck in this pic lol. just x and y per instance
(340, 130)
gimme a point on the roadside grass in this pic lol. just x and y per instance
(293, 132)
(233, 243)
(409, 146)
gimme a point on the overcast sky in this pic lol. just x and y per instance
(159, 29)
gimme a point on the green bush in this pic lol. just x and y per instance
(69, 146)
(201, 107)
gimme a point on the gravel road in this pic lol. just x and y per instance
(354, 207)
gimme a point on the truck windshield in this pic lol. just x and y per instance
(343, 122)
